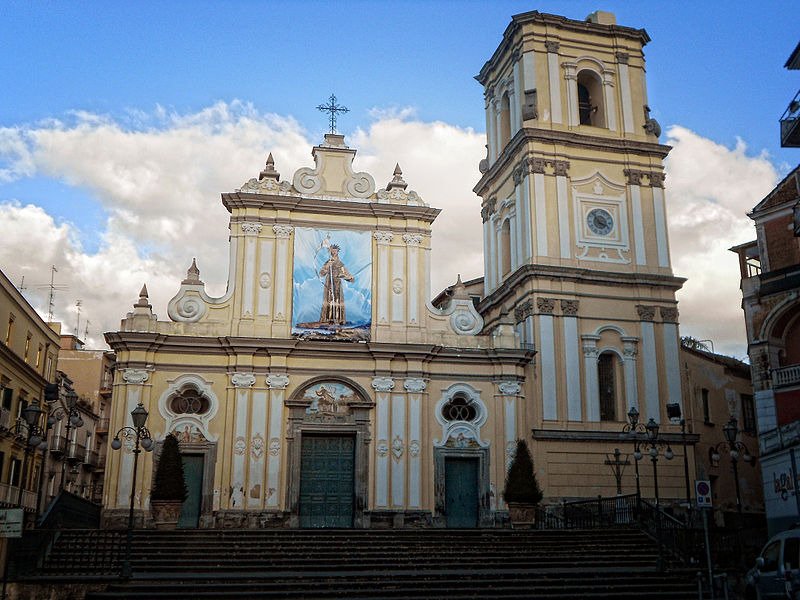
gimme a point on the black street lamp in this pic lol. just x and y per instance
(674, 414)
(652, 443)
(34, 438)
(141, 439)
(74, 420)
(633, 428)
(734, 448)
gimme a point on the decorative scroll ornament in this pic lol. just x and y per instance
(282, 231)
(382, 448)
(646, 313)
(414, 386)
(414, 448)
(187, 309)
(569, 307)
(669, 314)
(398, 447)
(383, 237)
(251, 228)
(135, 376)
(257, 447)
(277, 381)
(464, 318)
(334, 159)
(268, 186)
(243, 380)
(274, 446)
(510, 388)
(382, 384)
(239, 446)
(546, 305)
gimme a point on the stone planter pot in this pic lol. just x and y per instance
(166, 513)
(522, 515)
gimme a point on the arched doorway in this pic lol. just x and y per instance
(327, 445)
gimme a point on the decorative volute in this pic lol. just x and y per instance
(333, 174)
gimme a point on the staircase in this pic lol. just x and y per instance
(542, 564)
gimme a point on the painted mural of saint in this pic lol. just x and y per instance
(332, 274)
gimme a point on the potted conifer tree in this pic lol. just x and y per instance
(169, 486)
(522, 492)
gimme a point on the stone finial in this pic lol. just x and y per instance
(460, 290)
(143, 299)
(397, 181)
(193, 275)
(269, 171)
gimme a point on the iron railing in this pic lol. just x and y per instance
(92, 553)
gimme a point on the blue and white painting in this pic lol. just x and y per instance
(332, 284)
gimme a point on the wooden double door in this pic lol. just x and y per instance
(327, 471)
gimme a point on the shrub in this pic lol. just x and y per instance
(169, 482)
(521, 484)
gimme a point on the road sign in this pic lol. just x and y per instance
(11, 522)
(702, 491)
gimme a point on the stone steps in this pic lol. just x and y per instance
(388, 564)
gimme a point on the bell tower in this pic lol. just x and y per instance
(574, 222)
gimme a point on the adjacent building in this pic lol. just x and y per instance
(28, 355)
(718, 388)
(770, 283)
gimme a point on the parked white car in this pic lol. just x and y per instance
(777, 570)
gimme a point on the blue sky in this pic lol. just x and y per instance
(94, 91)
(715, 67)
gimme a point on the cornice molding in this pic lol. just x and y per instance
(284, 347)
(558, 22)
(570, 139)
(299, 205)
(575, 275)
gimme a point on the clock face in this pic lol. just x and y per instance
(600, 221)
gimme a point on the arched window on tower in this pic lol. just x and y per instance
(607, 366)
(505, 247)
(505, 122)
(591, 110)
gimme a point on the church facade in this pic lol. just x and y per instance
(324, 389)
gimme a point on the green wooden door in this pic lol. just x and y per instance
(461, 491)
(193, 475)
(326, 481)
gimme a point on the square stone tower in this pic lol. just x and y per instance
(575, 228)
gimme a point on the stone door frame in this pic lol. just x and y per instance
(485, 517)
(356, 423)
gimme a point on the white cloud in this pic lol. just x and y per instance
(158, 177)
(710, 190)
(159, 184)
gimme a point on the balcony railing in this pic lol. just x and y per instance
(102, 426)
(786, 376)
(59, 444)
(790, 124)
(77, 453)
(9, 496)
(90, 458)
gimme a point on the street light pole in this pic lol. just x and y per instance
(632, 428)
(33, 439)
(141, 438)
(734, 447)
(653, 443)
(674, 414)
